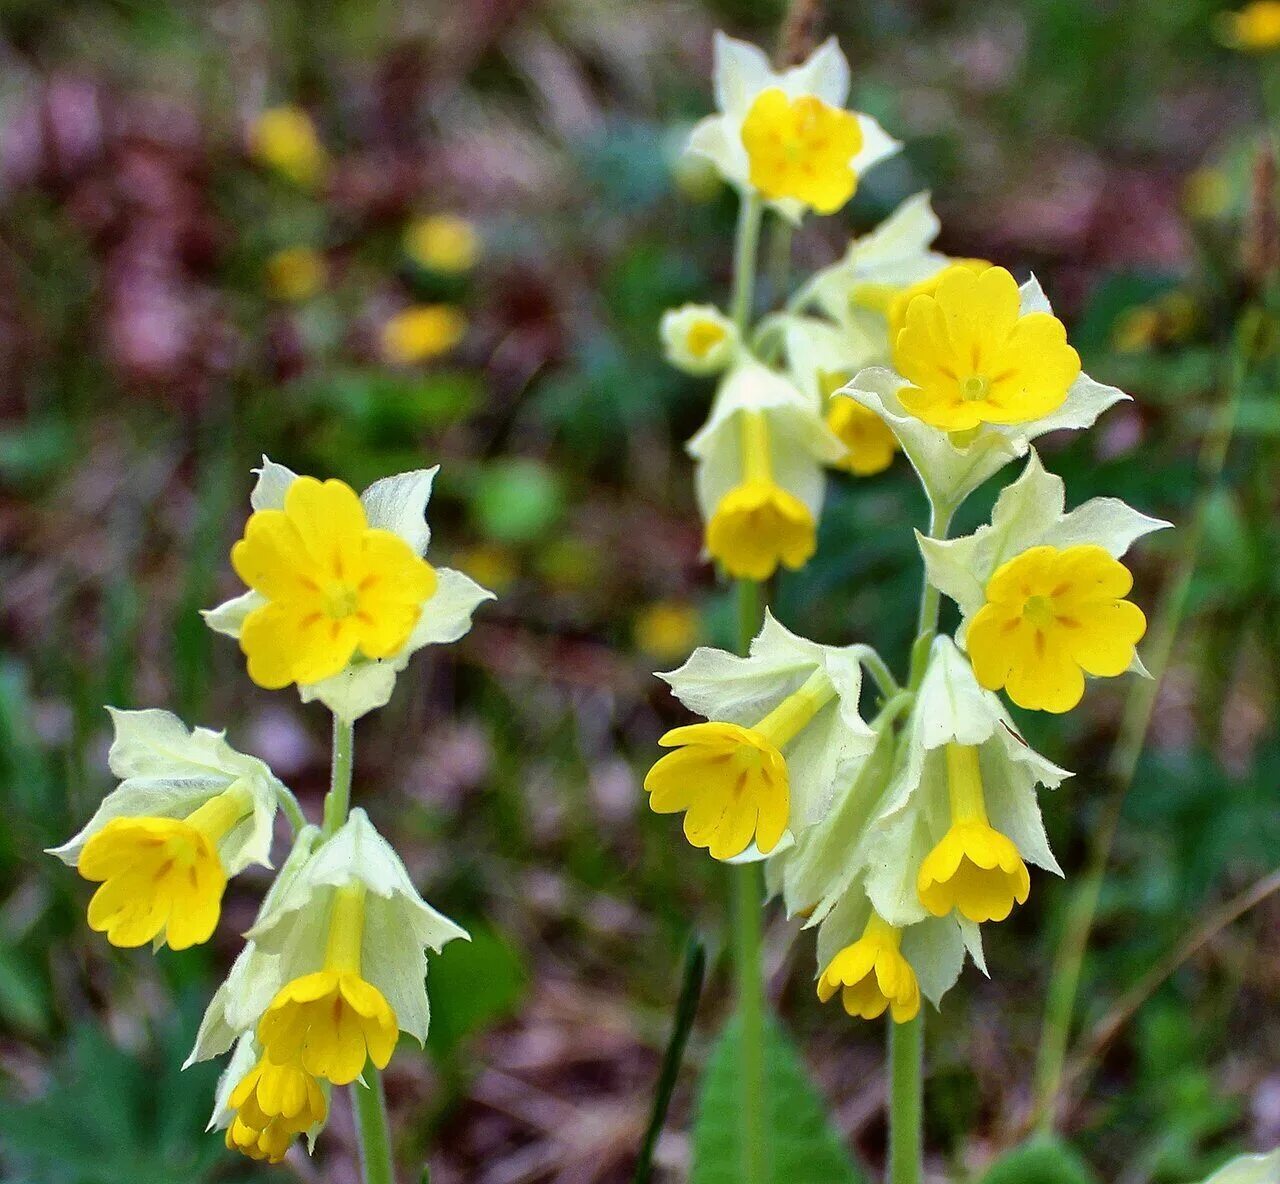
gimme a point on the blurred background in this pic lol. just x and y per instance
(369, 235)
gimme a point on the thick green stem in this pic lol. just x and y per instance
(906, 1101)
(338, 800)
(745, 252)
(930, 602)
(373, 1134)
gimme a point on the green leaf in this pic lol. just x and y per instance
(473, 985)
(802, 1146)
(1042, 1160)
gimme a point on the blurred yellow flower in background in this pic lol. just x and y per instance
(296, 274)
(491, 564)
(1206, 193)
(284, 139)
(422, 332)
(666, 630)
(443, 242)
(1255, 28)
(1136, 330)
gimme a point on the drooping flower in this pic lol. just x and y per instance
(340, 595)
(759, 476)
(1254, 28)
(786, 134)
(783, 731)
(1042, 591)
(444, 243)
(871, 975)
(971, 356)
(284, 139)
(698, 338)
(189, 812)
(421, 333)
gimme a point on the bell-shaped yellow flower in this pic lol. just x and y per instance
(758, 525)
(974, 868)
(870, 443)
(334, 586)
(274, 1103)
(161, 877)
(801, 148)
(443, 242)
(1051, 617)
(970, 356)
(332, 1021)
(872, 975)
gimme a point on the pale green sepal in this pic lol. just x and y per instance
(1249, 1169)
(399, 504)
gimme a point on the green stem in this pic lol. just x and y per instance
(373, 1134)
(906, 1101)
(930, 602)
(778, 251)
(1064, 981)
(745, 251)
(338, 800)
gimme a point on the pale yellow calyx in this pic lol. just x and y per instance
(872, 976)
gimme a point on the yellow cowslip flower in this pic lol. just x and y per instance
(899, 300)
(491, 564)
(332, 1021)
(667, 629)
(284, 139)
(421, 333)
(872, 975)
(162, 877)
(758, 525)
(1254, 28)
(971, 357)
(974, 868)
(1052, 616)
(801, 148)
(442, 242)
(334, 586)
(869, 444)
(273, 1103)
(732, 781)
(1136, 330)
(296, 274)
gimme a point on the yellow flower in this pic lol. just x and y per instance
(1136, 330)
(161, 877)
(1052, 616)
(332, 1021)
(442, 242)
(801, 148)
(273, 1103)
(269, 1144)
(975, 868)
(421, 333)
(284, 139)
(1256, 27)
(867, 437)
(667, 629)
(1206, 194)
(970, 357)
(731, 781)
(491, 564)
(334, 586)
(296, 274)
(900, 300)
(872, 975)
(758, 524)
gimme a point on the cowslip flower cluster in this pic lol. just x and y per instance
(334, 968)
(897, 837)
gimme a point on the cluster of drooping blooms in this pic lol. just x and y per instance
(899, 837)
(334, 968)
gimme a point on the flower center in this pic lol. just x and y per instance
(1038, 610)
(340, 600)
(975, 387)
(704, 337)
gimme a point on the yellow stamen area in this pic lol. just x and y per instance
(161, 877)
(333, 1021)
(703, 337)
(731, 781)
(1255, 28)
(273, 1103)
(334, 586)
(975, 868)
(970, 356)
(869, 443)
(801, 148)
(1051, 617)
(758, 524)
(872, 975)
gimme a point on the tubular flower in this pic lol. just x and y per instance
(1042, 592)
(801, 148)
(698, 338)
(970, 357)
(340, 594)
(333, 586)
(872, 976)
(189, 812)
(869, 444)
(730, 776)
(284, 139)
(273, 1104)
(786, 135)
(975, 868)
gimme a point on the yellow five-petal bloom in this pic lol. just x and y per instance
(335, 587)
(970, 356)
(872, 975)
(272, 1104)
(1051, 617)
(974, 868)
(802, 148)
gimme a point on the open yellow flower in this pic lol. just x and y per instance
(1255, 27)
(971, 357)
(899, 300)
(332, 1021)
(974, 868)
(273, 1103)
(334, 586)
(758, 525)
(801, 148)
(161, 877)
(1051, 617)
(872, 975)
